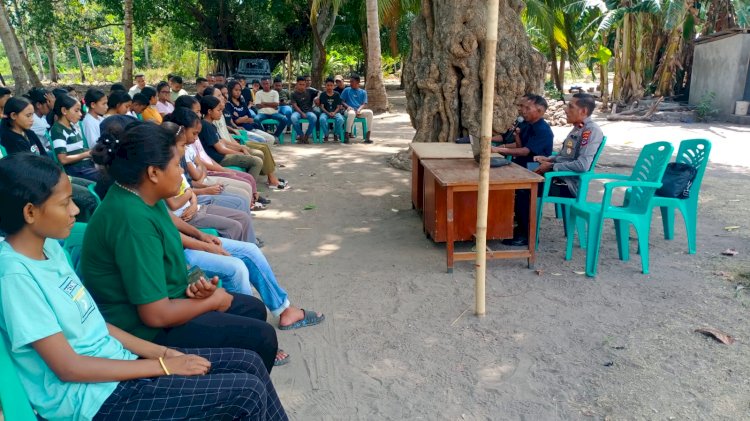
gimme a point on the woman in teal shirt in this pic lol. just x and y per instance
(71, 363)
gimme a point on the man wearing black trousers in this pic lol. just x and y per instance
(535, 139)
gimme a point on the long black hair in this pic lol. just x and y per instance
(185, 101)
(63, 101)
(126, 156)
(24, 178)
(14, 105)
(209, 103)
(182, 116)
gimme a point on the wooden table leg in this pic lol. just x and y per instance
(449, 234)
(532, 225)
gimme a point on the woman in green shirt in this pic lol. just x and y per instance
(73, 365)
(133, 262)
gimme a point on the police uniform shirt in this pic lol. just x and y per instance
(578, 151)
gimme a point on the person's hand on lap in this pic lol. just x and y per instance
(544, 167)
(202, 288)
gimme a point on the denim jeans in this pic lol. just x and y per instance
(338, 123)
(225, 200)
(283, 122)
(247, 265)
(312, 119)
(287, 111)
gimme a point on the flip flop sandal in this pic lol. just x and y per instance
(311, 319)
(264, 200)
(278, 362)
(257, 206)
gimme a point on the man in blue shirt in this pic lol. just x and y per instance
(534, 140)
(355, 100)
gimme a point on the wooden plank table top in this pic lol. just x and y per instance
(459, 172)
(444, 150)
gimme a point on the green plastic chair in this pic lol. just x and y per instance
(273, 123)
(693, 152)
(362, 121)
(242, 137)
(563, 204)
(332, 128)
(210, 231)
(315, 133)
(73, 245)
(642, 183)
(92, 190)
(13, 397)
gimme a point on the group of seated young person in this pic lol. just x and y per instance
(145, 333)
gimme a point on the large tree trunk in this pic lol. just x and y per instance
(13, 51)
(33, 78)
(322, 24)
(127, 62)
(377, 100)
(91, 60)
(39, 61)
(554, 70)
(393, 38)
(80, 63)
(52, 58)
(443, 71)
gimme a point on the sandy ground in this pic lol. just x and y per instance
(401, 342)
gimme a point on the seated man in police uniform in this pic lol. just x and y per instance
(578, 149)
(535, 139)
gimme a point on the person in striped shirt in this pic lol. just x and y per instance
(67, 140)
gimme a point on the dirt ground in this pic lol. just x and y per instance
(400, 341)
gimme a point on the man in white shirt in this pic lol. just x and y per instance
(140, 83)
(267, 102)
(175, 84)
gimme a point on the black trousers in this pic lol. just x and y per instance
(237, 387)
(522, 202)
(242, 326)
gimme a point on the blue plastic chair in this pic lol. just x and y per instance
(693, 152)
(642, 183)
(562, 204)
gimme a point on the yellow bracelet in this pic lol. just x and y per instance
(164, 366)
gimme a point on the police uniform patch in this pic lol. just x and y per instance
(585, 137)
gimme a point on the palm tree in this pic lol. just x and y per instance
(322, 20)
(377, 98)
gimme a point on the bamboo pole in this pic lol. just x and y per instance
(488, 99)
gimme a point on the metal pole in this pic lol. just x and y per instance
(488, 96)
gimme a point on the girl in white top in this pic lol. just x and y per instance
(96, 100)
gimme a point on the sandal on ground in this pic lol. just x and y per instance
(264, 200)
(260, 243)
(281, 361)
(279, 187)
(311, 319)
(257, 206)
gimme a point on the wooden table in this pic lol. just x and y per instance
(431, 150)
(450, 205)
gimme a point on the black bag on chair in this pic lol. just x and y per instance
(678, 177)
